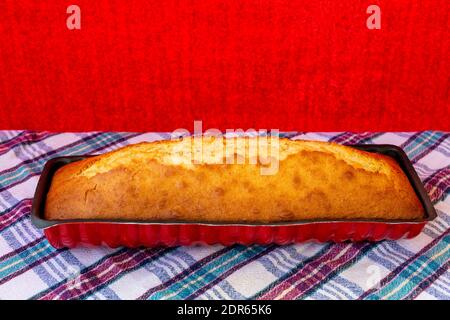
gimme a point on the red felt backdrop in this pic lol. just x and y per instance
(158, 65)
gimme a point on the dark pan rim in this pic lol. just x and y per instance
(391, 150)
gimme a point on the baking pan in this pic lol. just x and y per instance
(114, 233)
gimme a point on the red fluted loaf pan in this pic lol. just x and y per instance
(114, 233)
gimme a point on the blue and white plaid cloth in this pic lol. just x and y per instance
(30, 268)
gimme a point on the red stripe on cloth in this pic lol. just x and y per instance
(102, 273)
(312, 273)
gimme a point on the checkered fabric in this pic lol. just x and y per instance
(31, 269)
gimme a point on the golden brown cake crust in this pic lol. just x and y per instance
(154, 181)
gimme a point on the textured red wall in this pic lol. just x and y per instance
(158, 65)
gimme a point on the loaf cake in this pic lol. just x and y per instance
(206, 179)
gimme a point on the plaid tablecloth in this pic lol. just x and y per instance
(30, 268)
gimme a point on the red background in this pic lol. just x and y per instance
(158, 65)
